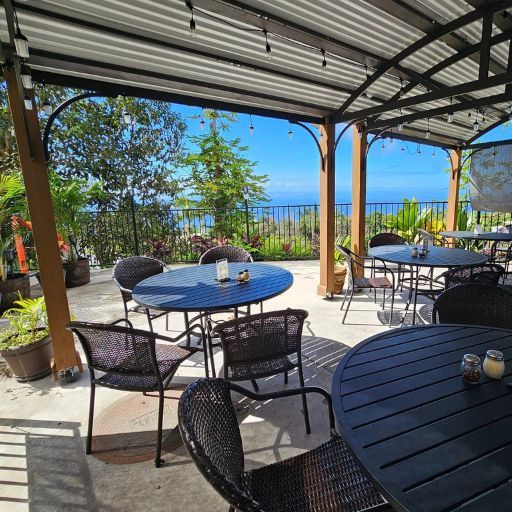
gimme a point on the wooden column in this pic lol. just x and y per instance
(35, 175)
(453, 190)
(327, 210)
(359, 145)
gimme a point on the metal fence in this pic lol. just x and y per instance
(269, 232)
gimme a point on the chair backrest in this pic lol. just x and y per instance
(130, 271)
(210, 432)
(386, 239)
(489, 273)
(475, 304)
(350, 258)
(117, 349)
(232, 253)
(262, 336)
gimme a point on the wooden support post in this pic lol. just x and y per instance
(327, 209)
(453, 190)
(37, 187)
(359, 146)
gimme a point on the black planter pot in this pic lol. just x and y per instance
(10, 289)
(77, 273)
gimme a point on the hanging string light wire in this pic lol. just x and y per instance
(192, 23)
(251, 127)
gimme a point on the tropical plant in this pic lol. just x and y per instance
(341, 241)
(28, 323)
(409, 219)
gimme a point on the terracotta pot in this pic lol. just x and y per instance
(340, 272)
(9, 290)
(30, 362)
(78, 273)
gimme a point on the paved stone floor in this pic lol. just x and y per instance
(43, 466)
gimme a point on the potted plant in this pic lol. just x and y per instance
(26, 345)
(340, 270)
(12, 201)
(69, 198)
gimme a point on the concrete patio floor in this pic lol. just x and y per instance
(43, 466)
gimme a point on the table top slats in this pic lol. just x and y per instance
(194, 288)
(431, 442)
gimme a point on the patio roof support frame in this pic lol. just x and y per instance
(37, 188)
(327, 209)
(453, 189)
(358, 218)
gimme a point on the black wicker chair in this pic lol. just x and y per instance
(232, 253)
(366, 283)
(129, 272)
(259, 346)
(475, 304)
(324, 479)
(487, 273)
(390, 239)
(130, 360)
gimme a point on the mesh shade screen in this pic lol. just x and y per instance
(490, 180)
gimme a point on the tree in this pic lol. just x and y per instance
(90, 140)
(218, 172)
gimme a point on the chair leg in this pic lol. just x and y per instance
(348, 305)
(383, 297)
(261, 307)
(148, 315)
(255, 385)
(210, 350)
(187, 325)
(167, 322)
(345, 297)
(158, 458)
(304, 400)
(286, 377)
(392, 304)
(88, 446)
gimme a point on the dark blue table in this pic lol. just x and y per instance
(195, 290)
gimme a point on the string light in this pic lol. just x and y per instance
(192, 23)
(401, 88)
(402, 147)
(28, 103)
(434, 153)
(383, 145)
(476, 126)
(47, 108)
(366, 72)
(494, 151)
(450, 114)
(427, 133)
(26, 78)
(127, 118)
(400, 123)
(324, 62)
(290, 133)
(268, 49)
(251, 127)
(202, 123)
(418, 149)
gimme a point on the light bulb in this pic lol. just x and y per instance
(127, 118)
(201, 124)
(26, 78)
(192, 31)
(476, 126)
(268, 49)
(290, 133)
(251, 129)
(28, 104)
(450, 117)
(433, 154)
(400, 126)
(427, 134)
(402, 149)
(383, 146)
(47, 108)
(21, 45)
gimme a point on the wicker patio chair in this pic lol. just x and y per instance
(129, 272)
(130, 360)
(390, 239)
(475, 304)
(366, 283)
(324, 479)
(490, 273)
(232, 253)
(259, 346)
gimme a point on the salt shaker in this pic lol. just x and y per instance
(246, 274)
(414, 252)
(494, 365)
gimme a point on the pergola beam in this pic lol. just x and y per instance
(429, 38)
(446, 92)
(434, 112)
(485, 48)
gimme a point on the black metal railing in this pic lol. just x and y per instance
(269, 232)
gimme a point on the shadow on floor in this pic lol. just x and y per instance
(43, 466)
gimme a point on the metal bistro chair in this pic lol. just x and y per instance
(475, 304)
(381, 239)
(131, 271)
(324, 479)
(130, 360)
(259, 346)
(366, 283)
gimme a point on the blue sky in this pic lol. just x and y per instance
(293, 167)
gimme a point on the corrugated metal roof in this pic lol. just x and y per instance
(144, 47)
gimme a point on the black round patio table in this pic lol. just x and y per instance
(488, 236)
(430, 442)
(195, 289)
(437, 257)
